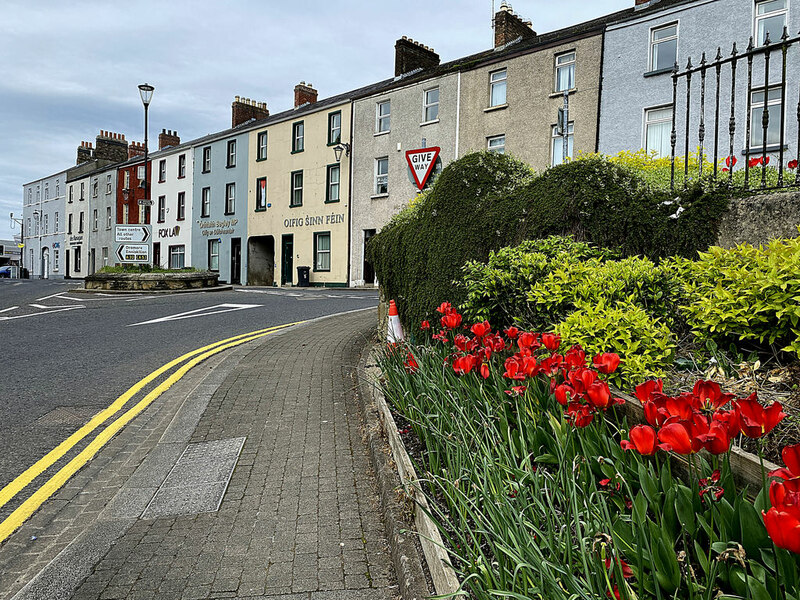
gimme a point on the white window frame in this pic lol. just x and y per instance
(556, 138)
(108, 217)
(497, 147)
(181, 207)
(756, 111)
(140, 172)
(383, 121)
(205, 202)
(81, 222)
(207, 159)
(46, 219)
(498, 80)
(177, 252)
(126, 178)
(566, 65)
(381, 177)
(213, 255)
(322, 253)
(651, 57)
(95, 220)
(55, 222)
(334, 130)
(430, 106)
(230, 198)
(654, 122)
(162, 209)
(181, 166)
(108, 183)
(261, 199)
(330, 183)
(297, 190)
(55, 260)
(758, 18)
(231, 160)
(261, 143)
(162, 170)
(298, 136)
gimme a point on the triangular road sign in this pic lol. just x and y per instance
(421, 163)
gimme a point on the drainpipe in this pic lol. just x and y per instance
(350, 197)
(600, 89)
(458, 107)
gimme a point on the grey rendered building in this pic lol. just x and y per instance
(640, 50)
(43, 218)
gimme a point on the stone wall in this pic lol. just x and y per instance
(759, 218)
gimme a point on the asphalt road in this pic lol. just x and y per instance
(75, 353)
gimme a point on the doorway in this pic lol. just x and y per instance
(66, 264)
(236, 260)
(287, 256)
(91, 262)
(45, 263)
(261, 260)
(157, 254)
(369, 270)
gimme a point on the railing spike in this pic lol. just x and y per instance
(675, 68)
(750, 46)
(785, 35)
(766, 39)
(703, 60)
(718, 57)
(689, 64)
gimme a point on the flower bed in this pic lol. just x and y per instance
(544, 492)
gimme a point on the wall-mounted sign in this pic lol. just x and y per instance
(215, 228)
(169, 232)
(313, 220)
(74, 240)
(421, 162)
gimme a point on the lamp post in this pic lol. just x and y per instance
(21, 223)
(146, 92)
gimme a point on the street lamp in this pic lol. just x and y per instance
(146, 92)
(339, 148)
(21, 224)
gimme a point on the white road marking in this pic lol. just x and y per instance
(138, 298)
(50, 296)
(8, 309)
(37, 314)
(199, 312)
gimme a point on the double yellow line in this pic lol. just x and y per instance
(29, 506)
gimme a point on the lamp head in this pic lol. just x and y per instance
(146, 92)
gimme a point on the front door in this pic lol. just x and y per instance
(157, 254)
(236, 260)
(287, 252)
(369, 270)
(91, 262)
(66, 264)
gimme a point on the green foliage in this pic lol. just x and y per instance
(746, 293)
(643, 343)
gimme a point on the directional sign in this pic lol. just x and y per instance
(132, 233)
(145, 202)
(421, 163)
(133, 253)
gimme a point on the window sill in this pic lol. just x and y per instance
(181, 219)
(206, 171)
(494, 108)
(333, 201)
(260, 209)
(382, 133)
(428, 122)
(376, 196)
(297, 151)
(295, 206)
(561, 93)
(658, 72)
(320, 270)
(759, 150)
(261, 159)
(230, 166)
(229, 214)
(181, 176)
(334, 143)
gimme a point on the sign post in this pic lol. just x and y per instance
(422, 162)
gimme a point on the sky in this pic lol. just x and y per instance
(71, 69)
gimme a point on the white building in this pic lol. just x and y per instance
(43, 226)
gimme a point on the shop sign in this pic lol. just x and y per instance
(215, 228)
(314, 220)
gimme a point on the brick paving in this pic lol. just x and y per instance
(300, 518)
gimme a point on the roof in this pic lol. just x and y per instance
(654, 6)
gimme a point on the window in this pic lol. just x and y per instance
(383, 116)
(181, 206)
(497, 88)
(140, 172)
(55, 222)
(30, 196)
(205, 207)
(176, 257)
(82, 197)
(663, 47)
(261, 193)
(95, 186)
(181, 166)
(298, 136)
(162, 209)
(77, 259)
(430, 105)
(231, 154)
(497, 144)
(46, 225)
(774, 109)
(770, 20)
(46, 192)
(297, 189)
(657, 131)
(382, 175)
(55, 259)
(80, 223)
(94, 220)
(108, 217)
(565, 71)
(108, 183)
(162, 170)
(207, 159)
(334, 128)
(127, 179)
(104, 255)
(322, 251)
(558, 144)
(141, 215)
(332, 184)
(58, 189)
(262, 146)
(213, 255)
(126, 214)
(70, 193)
(230, 198)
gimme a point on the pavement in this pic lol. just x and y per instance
(249, 478)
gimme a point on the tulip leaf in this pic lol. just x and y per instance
(667, 481)
(665, 562)
(684, 508)
(640, 509)
(754, 534)
(701, 557)
(648, 484)
(768, 558)
(548, 459)
(669, 520)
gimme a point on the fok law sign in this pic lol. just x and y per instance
(422, 162)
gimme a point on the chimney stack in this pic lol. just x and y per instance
(244, 109)
(85, 153)
(111, 146)
(410, 55)
(168, 138)
(135, 149)
(508, 26)
(304, 94)
(639, 4)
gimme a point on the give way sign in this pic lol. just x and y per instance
(421, 163)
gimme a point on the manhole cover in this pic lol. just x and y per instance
(198, 480)
(68, 415)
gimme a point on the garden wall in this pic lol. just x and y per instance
(759, 218)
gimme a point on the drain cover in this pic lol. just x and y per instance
(198, 480)
(68, 415)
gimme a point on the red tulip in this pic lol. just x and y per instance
(411, 364)
(654, 415)
(599, 395)
(563, 394)
(575, 357)
(709, 395)
(783, 526)
(581, 414)
(425, 325)
(512, 333)
(451, 320)
(766, 161)
(582, 378)
(481, 329)
(517, 390)
(791, 458)
(485, 371)
(444, 308)
(464, 364)
(716, 441)
(643, 439)
(756, 420)
(513, 370)
(551, 341)
(627, 572)
(674, 437)
(529, 366)
(754, 162)
(731, 420)
(606, 363)
(792, 164)
(527, 340)
(730, 161)
(646, 390)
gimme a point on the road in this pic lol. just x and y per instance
(67, 355)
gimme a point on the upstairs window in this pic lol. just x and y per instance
(162, 208)
(108, 183)
(382, 175)
(182, 166)
(770, 19)
(261, 153)
(162, 170)
(497, 88)
(565, 71)
(332, 183)
(261, 193)
(298, 137)
(207, 159)
(497, 144)
(663, 47)
(205, 202)
(297, 189)
(230, 198)
(334, 128)
(383, 116)
(430, 105)
(181, 206)
(231, 154)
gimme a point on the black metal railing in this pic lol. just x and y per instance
(723, 74)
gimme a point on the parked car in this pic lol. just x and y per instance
(5, 272)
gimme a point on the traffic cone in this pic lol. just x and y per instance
(395, 333)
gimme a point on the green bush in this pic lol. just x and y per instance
(645, 345)
(746, 293)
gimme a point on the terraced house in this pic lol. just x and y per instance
(43, 226)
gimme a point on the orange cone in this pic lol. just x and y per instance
(395, 333)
